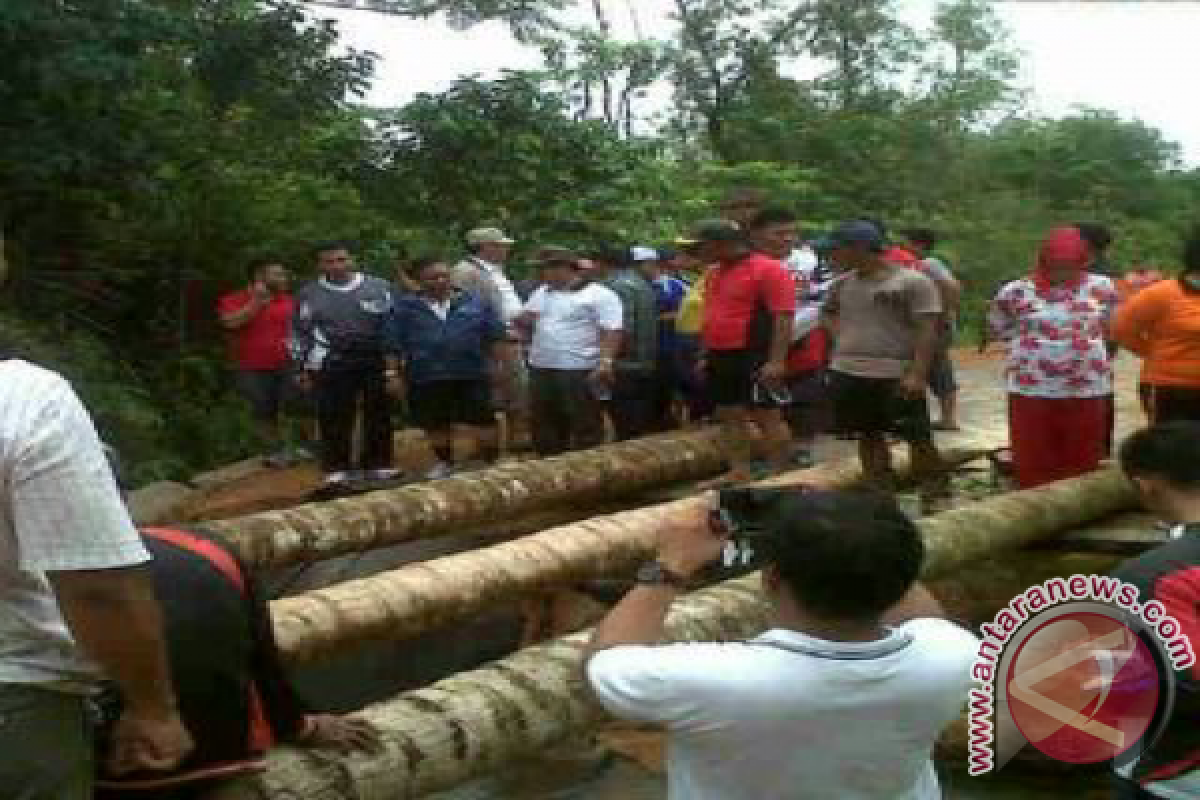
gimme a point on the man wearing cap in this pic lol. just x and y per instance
(575, 326)
(749, 305)
(884, 319)
(482, 273)
(633, 385)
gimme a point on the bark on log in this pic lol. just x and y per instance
(319, 530)
(423, 596)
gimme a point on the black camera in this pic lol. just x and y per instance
(745, 516)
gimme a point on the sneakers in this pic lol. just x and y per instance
(382, 474)
(287, 457)
(334, 479)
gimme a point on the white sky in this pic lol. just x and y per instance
(1135, 58)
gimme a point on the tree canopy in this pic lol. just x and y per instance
(150, 148)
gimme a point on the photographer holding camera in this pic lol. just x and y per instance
(846, 693)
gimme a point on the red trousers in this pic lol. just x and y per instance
(1055, 437)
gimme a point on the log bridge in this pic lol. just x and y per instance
(480, 721)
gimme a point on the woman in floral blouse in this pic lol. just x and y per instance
(1055, 322)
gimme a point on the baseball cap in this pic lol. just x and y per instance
(488, 236)
(856, 232)
(639, 254)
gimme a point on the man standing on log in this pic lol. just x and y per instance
(749, 306)
(576, 331)
(75, 595)
(1164, 464)
(337, 345)
(843, 697)
(884, 319)
(259, 319)
(483, 273)
(441, 343)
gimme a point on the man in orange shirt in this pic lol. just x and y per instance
(1161, 324)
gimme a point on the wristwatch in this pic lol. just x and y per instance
(654, 573)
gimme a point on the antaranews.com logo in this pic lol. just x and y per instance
(1078, 668)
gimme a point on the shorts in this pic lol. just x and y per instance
(266, 390)
(875, 406)
(809, 411)
(438, 405)
(1173, 403)
(730, 377)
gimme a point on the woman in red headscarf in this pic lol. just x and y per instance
(1059, 375)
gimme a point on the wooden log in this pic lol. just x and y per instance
(319, 530)
(425, 595)
(479, 721)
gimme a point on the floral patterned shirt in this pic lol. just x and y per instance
(1056, 338)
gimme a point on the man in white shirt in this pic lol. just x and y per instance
(842, 698)
(576, 332)
(483, 274)
(76, 602)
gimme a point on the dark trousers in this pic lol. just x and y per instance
(632, 404)
(565, 412)
(339, 393)
(45, 745)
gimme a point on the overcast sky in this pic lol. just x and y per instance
(1136, 58)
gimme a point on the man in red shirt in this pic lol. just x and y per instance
(749, 305)
(259, 318)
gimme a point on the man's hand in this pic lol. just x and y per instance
(343, 734)
(304, 380)
(913, 385)
(687, 543)
(143, 742)
(772, 374)
(603, 374)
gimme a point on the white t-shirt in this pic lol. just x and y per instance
(59, 511)
(566, 332)
(787, 715)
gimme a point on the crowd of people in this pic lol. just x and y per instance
(740, 321)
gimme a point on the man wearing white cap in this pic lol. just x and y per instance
(482, 273)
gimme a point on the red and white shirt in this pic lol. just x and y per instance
(1056, 337)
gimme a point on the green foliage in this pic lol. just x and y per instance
(149, 149)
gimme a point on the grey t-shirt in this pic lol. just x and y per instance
(877, 321)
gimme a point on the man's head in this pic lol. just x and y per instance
(604, 259)
(856, 244)
(1097, 236)
(490, 244)
(774, 231)
(433, 276)
(920, 241)
(718, 241)
(1163, 462)
(334, 260)
(560, 267)
(742, 204)
(645, 260)
(839, 556)
(271, 273)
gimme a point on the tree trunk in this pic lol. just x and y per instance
(320, 530)
(479, 721)
(420, 597)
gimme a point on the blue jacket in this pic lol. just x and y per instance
(454, 349)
